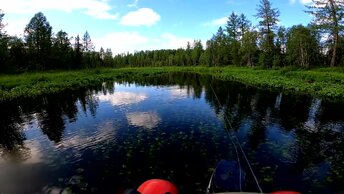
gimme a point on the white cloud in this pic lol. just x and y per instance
(301, 1)
(122, 42)
(171, 41)
(141, 17)
(306, 1)
(96, 8)
(217, 22)
(134, 4)
(15, 27)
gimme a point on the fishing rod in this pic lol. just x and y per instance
(233, 137)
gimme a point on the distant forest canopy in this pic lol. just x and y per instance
(240, 43)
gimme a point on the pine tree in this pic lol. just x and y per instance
(38, 35)
(233, 27)
(244, 25)
(268, 22)
(77, 52)
(328, 18)
(221, 49)
(87, 43)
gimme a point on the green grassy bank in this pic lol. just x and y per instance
(325, 82)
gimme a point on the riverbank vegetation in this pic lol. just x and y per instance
(263, 55)
(322, 82)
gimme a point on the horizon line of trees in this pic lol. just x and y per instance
(240, 43)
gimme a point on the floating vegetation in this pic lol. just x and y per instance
(325, 82)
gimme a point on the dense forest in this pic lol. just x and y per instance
(239, 43)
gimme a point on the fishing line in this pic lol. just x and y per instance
(240, 175)
(210, 185)
(233, 136)
(238, 158)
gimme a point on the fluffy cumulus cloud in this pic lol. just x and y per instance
(171, 41)
(96, 8)
(217, 22)
(123, 42)
(15, 26)
(140, 17)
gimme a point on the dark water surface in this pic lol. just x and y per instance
(116, 136)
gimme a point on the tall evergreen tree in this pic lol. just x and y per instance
(233, 30)
(236, 27)
(87, 43)
(77, 52)
(233, 27)
(38, 37)
(328, 18)
(268, 22)
(221, 49)
(88, 49)
(244, 25)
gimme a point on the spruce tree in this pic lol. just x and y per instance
(268, 23)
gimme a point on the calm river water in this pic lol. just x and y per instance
(116, 136)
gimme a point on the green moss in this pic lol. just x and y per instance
(324, 82)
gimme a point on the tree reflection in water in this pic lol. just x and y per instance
(11, 134)
(293, 141)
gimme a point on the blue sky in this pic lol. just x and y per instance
(133, 25)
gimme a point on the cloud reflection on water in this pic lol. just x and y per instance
(123, 98)
(180, 92)
(147, 120)
(105, 132)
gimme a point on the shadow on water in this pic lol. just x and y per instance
(116, 136)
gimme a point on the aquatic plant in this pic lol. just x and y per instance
(324, 82)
